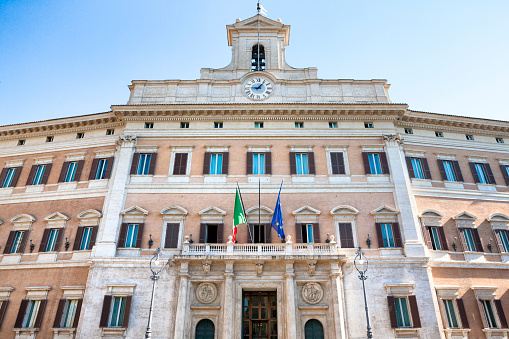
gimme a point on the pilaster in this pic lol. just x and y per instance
(228, 305)
(180, 316)
(338, 301)
(291, 324)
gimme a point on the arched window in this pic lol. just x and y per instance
(313, 329)
(205, 329)
(258, 58)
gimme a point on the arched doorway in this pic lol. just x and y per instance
(205, 329)
(313, 329)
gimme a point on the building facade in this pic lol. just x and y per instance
(87, 200)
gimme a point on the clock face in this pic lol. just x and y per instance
(258, 88)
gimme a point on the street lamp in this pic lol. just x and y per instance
(361, 259)
(155, 276)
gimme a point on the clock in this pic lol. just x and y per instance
(258, 88)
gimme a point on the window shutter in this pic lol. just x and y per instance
(496, 235)
(220, 228)
(172, 231)
(457, 170)
(122, 235)
(152, 165)
(483, 315)
(79, 169)
(40, 314)
(442, 169)
(58, 316)
(24, 241)
(139, 236)
(477, 240)
(501, 315)
(298, 232)
(127, 310)
(409, 166)
(77, 314)
(63, 171)
(2, 311)
(384, 163)
(416, 320)
(21, 314)
(134, 164)
(491, 177)
(105, 314)
(268, 163)
(8, 244)
(203, 233)
(30, 179)
(109, 167)
(463, 314)
(365, 160)
(316, 232)
(293, 164)
(225, 163)
(44, 241)
(443, 239)
(206, 163)
(16, 176)
(392, 311)
(249, 163)
(502, 168)
(463, 240)
(77, 239)
(425, 166)
(60, 236)
(267, 233)
(93, 237)
(45, 176)
(474, 172)
(180, 166)
(311, 163)
(427, 237)
(337, 163)
(397, 235)
(346, 235)
(379, 236)
(250, 232)
(93, 169)
(3, 175)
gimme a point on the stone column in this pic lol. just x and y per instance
(338, 302)
(228, 305)
(291, 323)
(180, 316)
(405, 201)
(115, 199)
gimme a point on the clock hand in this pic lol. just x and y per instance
(259, 86)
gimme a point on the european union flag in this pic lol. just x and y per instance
(277, 219)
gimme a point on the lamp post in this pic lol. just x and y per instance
(360, 258)
(155, 276)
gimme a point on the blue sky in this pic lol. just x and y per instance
(65, 58)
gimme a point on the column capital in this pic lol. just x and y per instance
(394, 140)
(127, 140)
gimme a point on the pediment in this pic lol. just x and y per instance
(429, 213)
(500, 217)
(306, 210)
(253, 22)
(134, 210)
(174, 210)
(212, 210)
(344, 210)
(57, 216)
(22, 218)
(264, 210)
(384, 210)
(90, 214)
(464, 216)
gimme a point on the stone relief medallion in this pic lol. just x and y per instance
(312, 293)
(206, 293)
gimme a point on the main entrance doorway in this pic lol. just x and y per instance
(259, 315)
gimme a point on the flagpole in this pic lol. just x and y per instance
(258, 54)
(259, 206)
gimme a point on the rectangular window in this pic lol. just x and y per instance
(479, 168)
(499, 140)
(417, 167)
(8, 177)
(184, 124)
(71, 171)
(301, 162)
(21, 142)
(346, 235)
(258, 234)
(299, 124)
(449, 170)
(218, 124)
(39, 173)
(85, 240)
(374, 163)
(387, 235)
(439, 134)
(52, 240)
(333, 124)
(469, 137)
(435, 240)
(211, 234)
(180, 164)
(49, 139)
(402, 312)
(489, 313)
(31, 313)
(80, 135)
(258, 163)
(258, 124)
(337, 163)
(216, 163)
(504, 239)
(144, 164)
(117, 312)
(469, 239)
(16, 243)
(102, 165)
(131, 236)
(409, 131)
(69, 313)
(149, 125)
(110, 131)
(368, 125)
(452, 320)
(307, 233)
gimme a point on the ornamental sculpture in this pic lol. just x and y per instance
(312, 293)
(393, 137)
(206, 293)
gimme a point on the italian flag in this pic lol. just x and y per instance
(238, 215)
